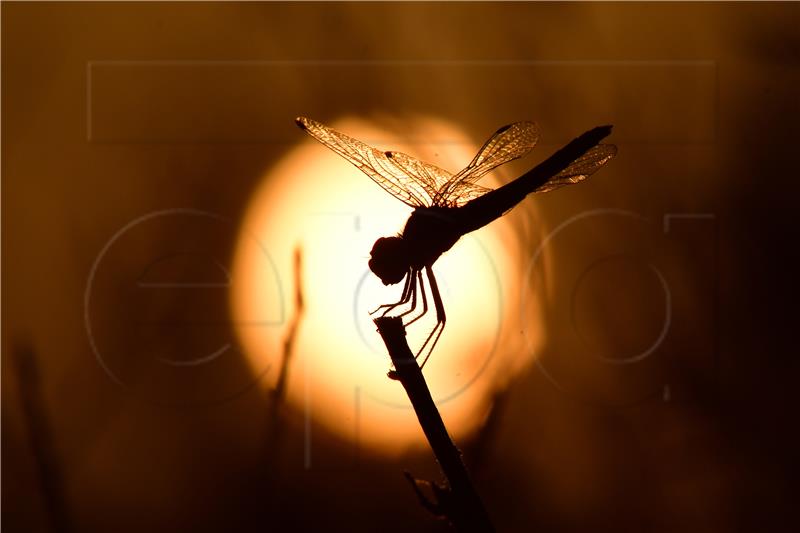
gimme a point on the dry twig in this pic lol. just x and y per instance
(458, 500)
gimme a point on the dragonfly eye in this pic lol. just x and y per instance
(389, 260)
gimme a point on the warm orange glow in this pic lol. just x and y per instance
(317, 200)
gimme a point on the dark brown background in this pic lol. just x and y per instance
(112, 111)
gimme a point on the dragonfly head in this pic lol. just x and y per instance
(389, 260)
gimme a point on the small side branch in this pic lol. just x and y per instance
(291, 336)
(275, 420)
(458, 501)
(25, 364)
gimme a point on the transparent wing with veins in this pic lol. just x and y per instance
(411, 181)
(417, 183)
(506, 144)
(581, 168)
(434, 177)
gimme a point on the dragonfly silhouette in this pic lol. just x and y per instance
(448, 206)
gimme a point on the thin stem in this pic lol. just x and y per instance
(291, 336)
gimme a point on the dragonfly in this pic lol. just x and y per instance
(448, 206)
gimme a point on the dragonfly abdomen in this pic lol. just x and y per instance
(486, 208)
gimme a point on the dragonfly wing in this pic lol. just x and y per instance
(581, 168)
(432, 178)
(464, 192)
(411, 189)
(506, 144)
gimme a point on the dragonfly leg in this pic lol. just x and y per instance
(424, 301)
(415, 274)
(441, 318)
(403, 297)
(409, 293)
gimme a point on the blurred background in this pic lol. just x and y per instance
(185, 337)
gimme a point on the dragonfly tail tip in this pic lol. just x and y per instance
(600, 132)
(301, 122)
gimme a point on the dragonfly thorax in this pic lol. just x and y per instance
(389, 260)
